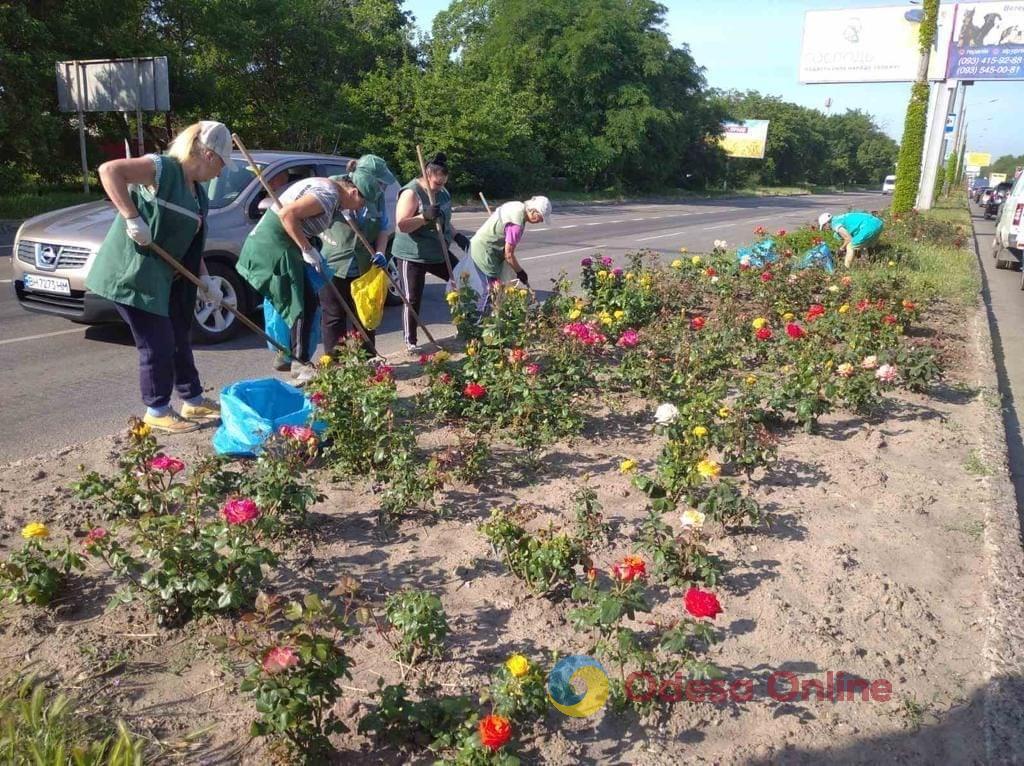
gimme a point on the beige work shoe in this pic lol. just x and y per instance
(171, 423)
(204, 412)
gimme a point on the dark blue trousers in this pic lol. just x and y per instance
(165, 349)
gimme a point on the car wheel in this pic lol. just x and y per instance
(393, 297)
(216, 325)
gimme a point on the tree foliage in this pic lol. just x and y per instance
(587, 94)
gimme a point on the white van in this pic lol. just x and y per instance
(1008, 227)
(889, 185)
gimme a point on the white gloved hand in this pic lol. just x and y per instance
(138, 230)
(211, 291)
(313, 258)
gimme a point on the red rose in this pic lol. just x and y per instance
(384, 374)
(239, 510)
(710, 272)
(702, 603)
(697, 323)
(532, 369)
(889, 319)
(780, 233)
(444, 378)
(95, 534)
(474, 391)
(816, 310)
(863, 305)
(495, 731)
(795, 331)
(317, 399)
(766, 276)
(765, 333)
(744, 267)
(516, 355)
(425, 359)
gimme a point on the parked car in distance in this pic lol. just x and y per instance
(978, 185)
(1009, 237)
(889, 185)
(53, 252)
(996, 198)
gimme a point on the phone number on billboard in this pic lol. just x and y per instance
(962, 71)
(967, 61)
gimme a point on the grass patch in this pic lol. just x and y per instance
(973, 529)
(911, 712)
(38, 726)
(975, 466)
(28, 204)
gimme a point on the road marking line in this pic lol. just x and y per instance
(723, 226)
(617, 220)
(570, 226)
(561, 252)
(5, 281)
(596, 223)
(659, 236)
(637, 219)
(43, 335)
(542, 228)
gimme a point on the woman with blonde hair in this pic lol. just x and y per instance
(161, 200)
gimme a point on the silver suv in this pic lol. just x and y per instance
(53, 252)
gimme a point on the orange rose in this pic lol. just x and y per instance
(495, 731)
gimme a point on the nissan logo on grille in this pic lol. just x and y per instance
(47, 257)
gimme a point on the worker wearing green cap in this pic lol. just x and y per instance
(345, 254)
(273, 256)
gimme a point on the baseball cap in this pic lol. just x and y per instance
(216, 137)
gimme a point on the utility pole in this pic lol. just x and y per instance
(933, 151)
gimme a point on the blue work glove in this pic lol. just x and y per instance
(379, 260)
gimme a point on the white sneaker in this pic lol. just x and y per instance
(304, 376)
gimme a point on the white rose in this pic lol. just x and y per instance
(692, 518)
(665, 414)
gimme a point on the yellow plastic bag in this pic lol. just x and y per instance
(369, 293)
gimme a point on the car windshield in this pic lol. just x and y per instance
(225, 188)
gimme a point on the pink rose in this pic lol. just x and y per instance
(239, 510)
(278, 659)
(628, 339)
(167, 464)
(532, 369)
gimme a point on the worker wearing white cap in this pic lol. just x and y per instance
(857, 229)
(161, 200)
(495, 242)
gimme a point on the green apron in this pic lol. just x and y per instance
(272, 263)
(487, 248)
(133, 275)
(341, 245)
(422, 245)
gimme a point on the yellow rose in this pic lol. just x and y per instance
(517, 665)
(34, 530)
(833, 288)
(630, 275)
(602, 274)
(471, 349)
(575, 314)
(724, 412)
(627, 466)
(700, 432)
(788, 316)
(750, 380)
(141, 431)
(758, 323)
(677, 263)
(695, 260)
(325, 360)
(452, 298)
(709, 469)
(645, 281)
(606, 320)
(619, 314)
(892, 264)
(844, 308)
(683, 250)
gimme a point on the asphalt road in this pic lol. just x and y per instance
(64, 383)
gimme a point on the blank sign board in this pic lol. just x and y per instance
(114, 85)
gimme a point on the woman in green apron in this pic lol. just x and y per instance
(416, 248)
(276, 251)
(160, 200)
(349, 260)
(493, 247)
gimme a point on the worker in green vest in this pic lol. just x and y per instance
(160, 200)
(417, 248)
(349, 260)
(276, 251)
(495, 242)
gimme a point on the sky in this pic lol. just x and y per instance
(755, 45)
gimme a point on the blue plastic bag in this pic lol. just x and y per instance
(819, 256)
(759, 255)
(274, 324)
(252, 410)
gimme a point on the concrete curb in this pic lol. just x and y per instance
(1003, 650)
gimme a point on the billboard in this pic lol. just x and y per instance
(114, 85)
(988, 42)
(745, 139)
(869, 45)
(978, 159)
(996, 178)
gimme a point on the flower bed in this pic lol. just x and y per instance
(591, 465)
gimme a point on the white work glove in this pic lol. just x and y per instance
(313, 258)
(211, 291)
(138, 230)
